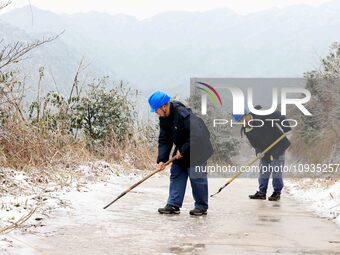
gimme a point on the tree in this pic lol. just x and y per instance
(317, 137)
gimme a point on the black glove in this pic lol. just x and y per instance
(268, 157)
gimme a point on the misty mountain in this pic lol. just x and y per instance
(59, 60)
(164, 51)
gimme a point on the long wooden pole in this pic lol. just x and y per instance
(250, 163)
(139, 182)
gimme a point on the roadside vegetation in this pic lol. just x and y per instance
(317, 138)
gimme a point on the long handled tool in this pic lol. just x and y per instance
(140, 181)
(250, 163)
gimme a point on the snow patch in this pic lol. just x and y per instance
(21, 192)
(318, 196)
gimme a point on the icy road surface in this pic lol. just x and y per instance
(234, 224)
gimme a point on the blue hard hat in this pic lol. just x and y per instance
(158, 99)
(238, 117)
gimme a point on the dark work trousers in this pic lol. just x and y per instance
(273, 167)
(178, 182)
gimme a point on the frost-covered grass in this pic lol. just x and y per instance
(319, 195)
(55, 196)
(21, 192)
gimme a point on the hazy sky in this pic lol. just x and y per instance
(147, 8)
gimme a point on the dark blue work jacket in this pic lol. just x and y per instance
(187, 132)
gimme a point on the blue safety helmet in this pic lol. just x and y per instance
(238, 117)
(158, 99)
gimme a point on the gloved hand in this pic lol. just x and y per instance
(268, 157)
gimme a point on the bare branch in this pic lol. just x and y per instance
(14, 53)
(4, 5)
(17, 224)
(29, 1)
(53, 78)
(75, 87)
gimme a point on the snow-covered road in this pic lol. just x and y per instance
(234, 224)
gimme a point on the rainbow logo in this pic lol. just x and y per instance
(208, 89)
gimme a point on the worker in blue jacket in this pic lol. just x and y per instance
(179, 126)
(260, 137)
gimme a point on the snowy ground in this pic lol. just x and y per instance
(54, 201)
(234, 224)
(21, 193)
(319, 195)
(83, 191)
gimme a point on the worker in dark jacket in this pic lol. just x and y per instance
(180, 127)
(260, 137)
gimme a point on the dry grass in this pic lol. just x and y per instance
(132, 153)
(317, 150)
(307, 184)
(23, 146)
(17, 224)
